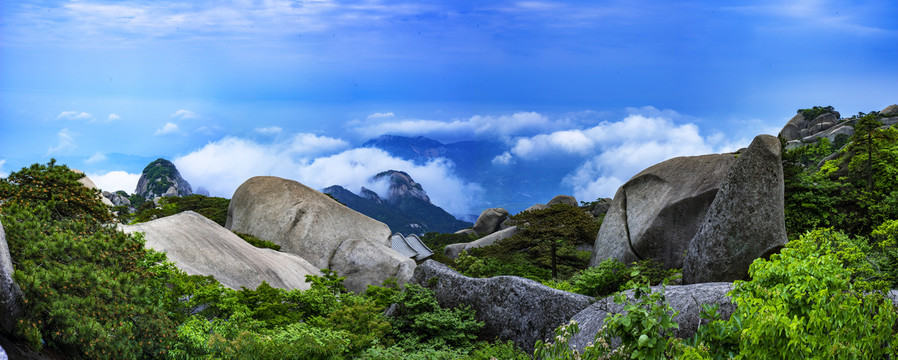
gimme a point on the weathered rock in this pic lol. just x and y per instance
(601, 207)
(536, 207)
(200, 246)
(657, 212)
(117, 199)
(453, 250)
(564, 199)
(10, 294)
(489, 221)
(310, 224)
(792, 130)
(822, 122)
(512, 308)
(746, 220)
(469, 232)
(889, 110)
(88, 183)
(831, 134)
(687, 299)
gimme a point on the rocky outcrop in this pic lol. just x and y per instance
(746, 220)
(117, 199)
(88, 183)
(453, 250)
(601, 207)
(512, 308)
(564, 199)
(800, 127)
(889, 110)
(10, 294)
(310, 224)
(199, 246)
(489, 221)
(402, 186)
(687, 299)
(657, 212)
(161, 178)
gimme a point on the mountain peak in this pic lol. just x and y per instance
(161, 178)
(402, 186)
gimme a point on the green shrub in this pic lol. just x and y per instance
(814, 300)
(259, 243)
(419, 320)
(56, 188)
(601, 280)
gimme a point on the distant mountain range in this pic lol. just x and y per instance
(406, 209)
(514, 187)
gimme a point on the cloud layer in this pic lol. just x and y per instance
(115, 180)
(318, 162)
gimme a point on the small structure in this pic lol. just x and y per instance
(410, 246)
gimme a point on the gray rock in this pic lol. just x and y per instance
(88, 183)
(10, 294)
(657, 212)
(890, 110)
(831, 134)
(310, 224)
(536, 207)
(601, 207)
(792, 130)
(822, 122)
(687, 299)
(512, 308)
(453, 250)
(117, 199)
(200, 246)
(469, 232)
(489, 221)
(564, 199)
(746, 220)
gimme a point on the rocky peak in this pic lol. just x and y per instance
(161, 178)
(370, 195)
(402, 186)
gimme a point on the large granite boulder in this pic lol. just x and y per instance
(200, 246)
(889, 110)
(800, 127)
(746, 220)
(489, 220)
(117, 199)
(310, 224)
(88, 183)
(687, 299)
(657, 212)
(564, 199)
(792, 130)
(453, 250)
(601, 207)
(10, 294)
(512, 308)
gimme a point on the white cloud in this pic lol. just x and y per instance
(97, 157)
(3, 173)
(504, 126)
(74, 115)
(169, 128)
(223, 165)
(503, 159)
(65, 141)
(115, 180)
(388, 115)
(113, 117)
(183, 114)
(269, 130)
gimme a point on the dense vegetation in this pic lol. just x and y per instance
(94, 292)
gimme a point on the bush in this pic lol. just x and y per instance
(259, 243)
(56, 188)
(419, 320)
(601, 280)
(814, 300)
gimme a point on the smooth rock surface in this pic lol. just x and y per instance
(489, 220)
(453, 250)
(889, 110)
(657, 212)
(200, 246)
(564, 199)
(310, 224)
(88, 183)
(792, 129)
(365, 263)
(746, 220)
(511, 307)
(687, 299)
(10, 294)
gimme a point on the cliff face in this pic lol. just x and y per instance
(161, 178)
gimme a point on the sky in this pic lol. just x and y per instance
(232, 89)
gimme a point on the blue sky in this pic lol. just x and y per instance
(107, 86)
